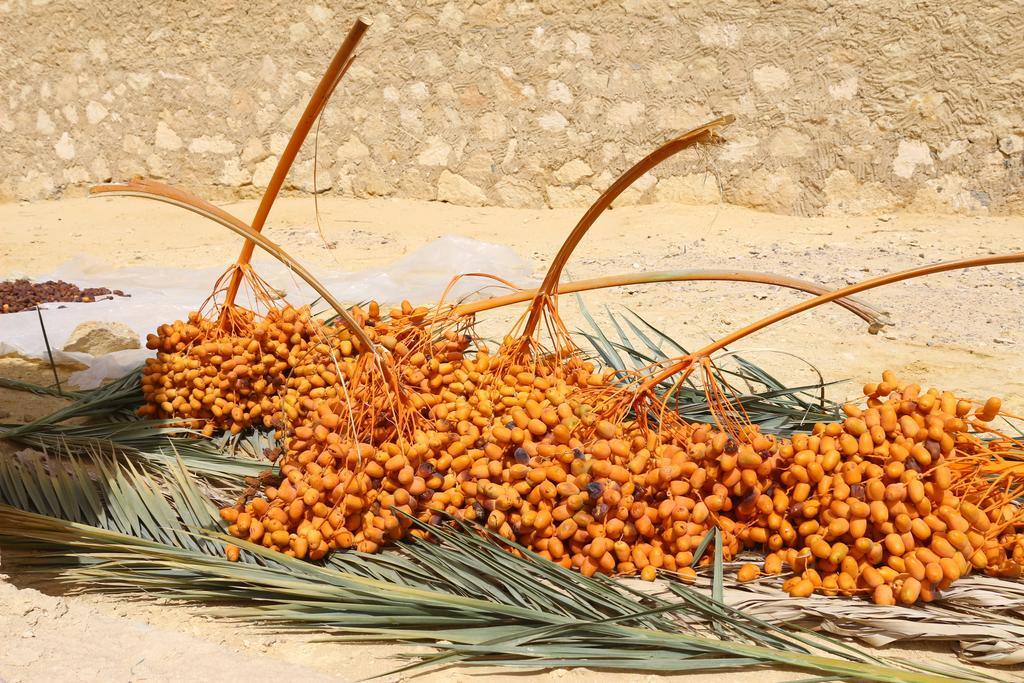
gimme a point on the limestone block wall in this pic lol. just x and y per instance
(842, 107)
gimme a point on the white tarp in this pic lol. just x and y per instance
(162, 295)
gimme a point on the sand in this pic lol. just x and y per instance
(960, 331)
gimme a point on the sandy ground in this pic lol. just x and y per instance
(960, 331)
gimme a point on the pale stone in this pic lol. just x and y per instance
(1011, 144)
(645, 182)
(739, 147)
(517, 193)
(610, 151)
(455, 189)
(75, 175)
(319, 13)
(927, 104)
(233, 174)
(451, 17)
(662, 76)
(706, 69)
(767, 190)
(70, 113)
(492, 126)
(510, 153)
(845, 89)
(646, 8)
(278, 141)
(302, 178)
(909, 155)
(139, 81)
(99, 338)
(156, 165)
(770, 78)
(436, 153)
(568, 197)
(478, 167)
(263, 172)
(694, 188)
(166, 138)
(100, 170)
(133, 144)
(552, 121)
(343, 185)
(253, 150)
(954, 148)
(626, 114)
(95, 112)
(419, 91)
(787, 142)
(268, 70)
(602, 180)
(848, 196)
(410, 119)
(216, 144)
(98, 50)
(44, 124)
(631, 196)
(573, 171)
(980, 136)
(298, 32)
(559, 92)
(577, 44)
(352, 149)
(539, 41)
(34, 185)
(949, 194)
(371, 182)
(65, 148)
(416, 185)
(720, 35)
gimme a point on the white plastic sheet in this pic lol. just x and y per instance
(160, 295)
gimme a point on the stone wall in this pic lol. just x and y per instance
(845, 107)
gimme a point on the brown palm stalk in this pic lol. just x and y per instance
(863, 311)
(544, 299)
(152, 190)
(328, 82)
(683, 362)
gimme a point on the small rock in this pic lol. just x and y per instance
(264, 170)
(572, 172)
(1011, 144)
(1002, 340)
(695, 188)
(570, 197)
(97, 338)
(518, 193)
(455, 189)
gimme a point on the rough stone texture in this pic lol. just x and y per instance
(455, 189)
(842, 107)
(99, 338)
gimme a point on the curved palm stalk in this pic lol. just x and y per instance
(150, 189)
(332, 76)
(683, 362)
(549, 286)
(866, 313)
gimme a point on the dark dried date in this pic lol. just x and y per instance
(23, 295)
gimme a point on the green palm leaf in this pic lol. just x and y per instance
(133, 531)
